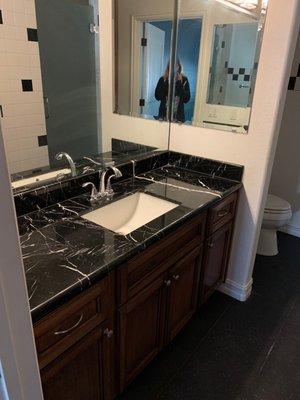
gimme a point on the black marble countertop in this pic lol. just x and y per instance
(64, 254)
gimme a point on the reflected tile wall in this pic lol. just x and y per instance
(21, 96)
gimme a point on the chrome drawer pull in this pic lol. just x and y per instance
(108, 333)
(210, 244)
(176, 277)
(70, 329)
(168, 283)
(222, 213)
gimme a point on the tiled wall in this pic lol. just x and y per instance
(21, 96)
(294, 83)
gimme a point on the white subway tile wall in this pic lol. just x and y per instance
(21, 95)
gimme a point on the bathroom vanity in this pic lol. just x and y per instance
(104, 304)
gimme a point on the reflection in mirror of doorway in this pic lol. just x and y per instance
(143, 45)
(222, 75)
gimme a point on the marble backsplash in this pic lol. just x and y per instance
(130, 165)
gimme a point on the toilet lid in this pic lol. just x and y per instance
(275, 203)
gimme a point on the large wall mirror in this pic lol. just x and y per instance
(208, 57)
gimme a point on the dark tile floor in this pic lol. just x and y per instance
(236, 351)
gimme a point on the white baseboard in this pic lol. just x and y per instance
(237, 291)
(291, 230)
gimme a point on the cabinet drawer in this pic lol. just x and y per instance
(62, 328)
(221, 213)
(144, 268)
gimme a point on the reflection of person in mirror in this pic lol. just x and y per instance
(182, 94)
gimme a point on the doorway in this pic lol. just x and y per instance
(150, 57)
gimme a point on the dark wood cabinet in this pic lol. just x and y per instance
(155, 315)
(84, 371)
(183, 292)
(147, 301)
(215, 261)
(75, 346)
(141, 330)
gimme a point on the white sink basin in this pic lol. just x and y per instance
(132, 212)
(40, 178)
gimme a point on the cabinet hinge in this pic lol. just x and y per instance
(142, 102)
(143, 42)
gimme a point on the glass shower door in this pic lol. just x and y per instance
(68, 52)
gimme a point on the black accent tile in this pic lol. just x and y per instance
(223, 44)
(226, 64)
(235, 77)
(230, 71)
(32, 35)
(298, 73)
(247, 78)
(1, 18)
(242, 71)
(27, 85)
(292, 83)
(42, 140)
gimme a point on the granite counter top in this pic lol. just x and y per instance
(64, 254)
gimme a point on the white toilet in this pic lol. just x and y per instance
(277, 214)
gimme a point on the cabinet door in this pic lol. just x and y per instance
(141, 330)
(183, 292)
(84, 371)
(215, 261)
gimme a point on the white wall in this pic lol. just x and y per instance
(256, 150)
(23, 112)
(17, 348)
(285, 181)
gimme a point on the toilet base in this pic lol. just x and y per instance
(268, 245)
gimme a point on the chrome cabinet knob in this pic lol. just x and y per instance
(168, 283)
(176, 277)
(210, 244)
(108, 333)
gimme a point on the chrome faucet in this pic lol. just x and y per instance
(61, 155)
(103, 191)
(106, 191)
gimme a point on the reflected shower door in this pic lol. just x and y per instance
(68, 62)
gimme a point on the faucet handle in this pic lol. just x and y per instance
(117, 174)
(95, 193)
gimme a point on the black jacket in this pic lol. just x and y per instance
(182, 91)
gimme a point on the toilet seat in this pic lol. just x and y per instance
(276, 205)
(277, 209)
(277, 216)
